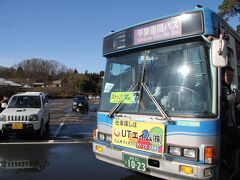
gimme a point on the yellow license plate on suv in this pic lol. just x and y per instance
(17, 126)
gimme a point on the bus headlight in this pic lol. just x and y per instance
(101, 136)
(108, 138)
(176, 151)
(185, 152)
(105, 137)
(189, 153)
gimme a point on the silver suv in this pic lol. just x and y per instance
(26, 113)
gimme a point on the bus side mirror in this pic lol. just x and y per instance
(3, 105)
(219, 53)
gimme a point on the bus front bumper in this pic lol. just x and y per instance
(168, 169)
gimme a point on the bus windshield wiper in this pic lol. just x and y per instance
(120, 102)
(159, 107)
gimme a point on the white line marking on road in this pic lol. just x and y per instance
(58, 129)
(56, 103)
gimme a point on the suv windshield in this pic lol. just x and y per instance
(25, 102)
(179, 77)
(79, 98)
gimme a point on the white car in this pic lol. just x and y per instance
(26, 113)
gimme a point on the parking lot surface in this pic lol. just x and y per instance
(66, 153)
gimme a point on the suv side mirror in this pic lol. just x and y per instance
(235, 92)
(219, 53)
(45, 104)
(3, 105)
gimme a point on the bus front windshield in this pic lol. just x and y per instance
(178, 77)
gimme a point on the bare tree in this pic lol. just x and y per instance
(40, 70)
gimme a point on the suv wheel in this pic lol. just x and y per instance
(47, 129)
(47, 123)
(3, 135)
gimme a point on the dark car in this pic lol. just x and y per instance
(80, 103)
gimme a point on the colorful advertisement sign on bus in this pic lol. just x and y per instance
(160, 30)
(139, 135)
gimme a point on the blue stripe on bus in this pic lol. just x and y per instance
(205, 128)
(192, 134)
(103, 119)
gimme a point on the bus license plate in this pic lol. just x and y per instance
(136, 163)
(17, 126)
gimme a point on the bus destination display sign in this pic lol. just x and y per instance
(170, 28)
(156, 31)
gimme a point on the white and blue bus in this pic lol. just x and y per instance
(160, 109)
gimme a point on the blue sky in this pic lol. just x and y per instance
(72, 31)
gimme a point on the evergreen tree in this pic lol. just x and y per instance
(229, 8)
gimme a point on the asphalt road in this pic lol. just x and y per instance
(65, 125)
(65, 154)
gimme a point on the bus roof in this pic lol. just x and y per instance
(202, 21)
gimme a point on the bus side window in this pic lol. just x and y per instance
(232, 63)
(238, 62)
(237, 44)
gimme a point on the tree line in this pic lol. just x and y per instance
(37, 70)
